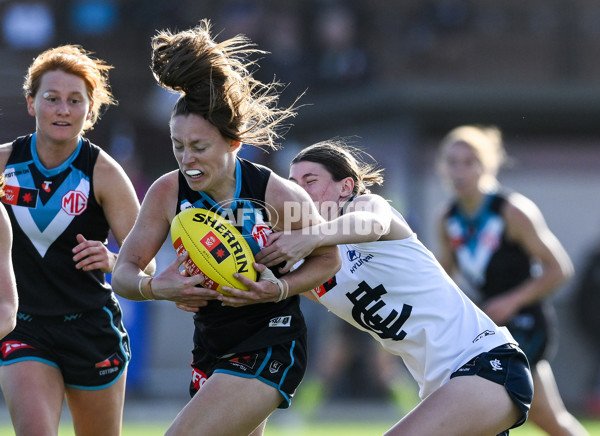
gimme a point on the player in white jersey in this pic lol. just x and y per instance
(392, 287)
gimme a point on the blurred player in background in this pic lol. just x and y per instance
(499, 241)
(246, 362)
(63, 195)
(472, 376)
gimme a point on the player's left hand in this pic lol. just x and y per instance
(192, 309)
(287, 248)
(502, 308)
(90, 255)
(261, 291)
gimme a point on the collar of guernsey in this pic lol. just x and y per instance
(54, 171)
(206, 199)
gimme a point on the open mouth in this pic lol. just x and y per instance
(194, 173)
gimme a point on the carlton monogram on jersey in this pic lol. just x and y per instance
(366, 311)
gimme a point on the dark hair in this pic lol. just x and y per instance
(342, 160)
(73, 59)
(215, 82)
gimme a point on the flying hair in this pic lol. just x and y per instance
(214, 80)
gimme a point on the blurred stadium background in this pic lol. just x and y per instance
(396, 75)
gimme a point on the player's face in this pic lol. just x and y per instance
(205, 157)
(61, 106)
(462, 168)
(320, 186)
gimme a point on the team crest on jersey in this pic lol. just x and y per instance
(260, 233)
(274, 366)
(280, 321)
(371, 312)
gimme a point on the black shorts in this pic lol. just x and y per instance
(281, 366)
(90, 349)
(506, 365)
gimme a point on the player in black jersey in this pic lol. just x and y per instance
(494, 238)
(63, 195)
(8, 286)
(246, 361)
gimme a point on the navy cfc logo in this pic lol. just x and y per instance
(367, 303)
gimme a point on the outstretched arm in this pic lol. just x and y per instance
(319, 265)
(368, 218)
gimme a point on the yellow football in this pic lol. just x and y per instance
(216, 248)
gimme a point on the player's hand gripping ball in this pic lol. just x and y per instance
(216, 248)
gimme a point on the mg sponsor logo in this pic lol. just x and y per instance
(74, 202)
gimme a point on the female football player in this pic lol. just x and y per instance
(472, 376)
(63, 196)
(246, 361)
(494, 238)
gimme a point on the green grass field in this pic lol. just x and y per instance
(303, 429)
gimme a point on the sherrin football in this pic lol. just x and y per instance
(216, 248)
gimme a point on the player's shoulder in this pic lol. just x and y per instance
(520, 210)
(283, 189)
(5, 151)
(167, 184)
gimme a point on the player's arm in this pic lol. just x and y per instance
(324, 261)
(445, 255)
(296, 211)
(116, 195)
(8, 286)
(368, 218)
(525, 225)
(5, 150)
(143, 243)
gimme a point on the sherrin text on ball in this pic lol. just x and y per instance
(216, 248)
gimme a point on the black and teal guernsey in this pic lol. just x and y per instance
(221, 331)
(486, 258)
(494, 265)
(47, 209)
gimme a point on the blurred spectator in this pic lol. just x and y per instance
(18, 31)
(342, 61)
(94, 17)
